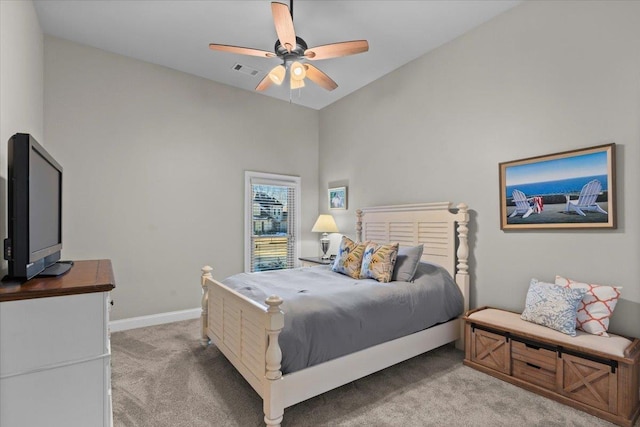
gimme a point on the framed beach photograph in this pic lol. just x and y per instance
(338, 198)
(572, 189)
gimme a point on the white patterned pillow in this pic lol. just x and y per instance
(552, 306)
(596, 306)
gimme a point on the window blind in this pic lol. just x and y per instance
(273, 225)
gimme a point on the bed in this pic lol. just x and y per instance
(247, 331)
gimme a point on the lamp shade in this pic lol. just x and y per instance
(325, 224)
(277, 74)
(298, 72)
(296, 84)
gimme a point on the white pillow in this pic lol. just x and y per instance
(596, 306)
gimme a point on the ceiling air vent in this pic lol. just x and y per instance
(245, 69)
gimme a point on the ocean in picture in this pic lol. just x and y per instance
(563, 186)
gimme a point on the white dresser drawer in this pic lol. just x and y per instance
(68, 396)
(41, 332)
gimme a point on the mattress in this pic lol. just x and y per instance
(328, 315)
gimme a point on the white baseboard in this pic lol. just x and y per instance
(154, 319)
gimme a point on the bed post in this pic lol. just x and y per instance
(462, 268)
(206, 274)
(272, 401)
(359, 225)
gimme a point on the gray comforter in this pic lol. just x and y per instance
(328, 315)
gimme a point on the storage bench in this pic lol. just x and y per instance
(599, 375)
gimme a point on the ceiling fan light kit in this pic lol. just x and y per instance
(294, 52)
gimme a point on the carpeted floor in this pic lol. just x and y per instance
(161, 376)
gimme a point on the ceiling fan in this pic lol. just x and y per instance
(294, 53)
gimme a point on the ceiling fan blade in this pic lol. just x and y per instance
(284, 25)
(241, 50)
(320, 78)
(336, 49)
(264, 83)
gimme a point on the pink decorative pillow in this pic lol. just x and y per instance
(596, 306)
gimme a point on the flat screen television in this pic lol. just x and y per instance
(34, 216)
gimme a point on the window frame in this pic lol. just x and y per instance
(269, 179)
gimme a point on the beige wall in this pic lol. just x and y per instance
(154, 163)
(543, 77)
(21, 80)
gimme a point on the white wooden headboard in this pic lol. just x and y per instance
(438, 226)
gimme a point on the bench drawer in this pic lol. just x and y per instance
(534, 374)
(538, 356)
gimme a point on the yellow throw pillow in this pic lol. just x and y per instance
(378, 261)
(349, 258)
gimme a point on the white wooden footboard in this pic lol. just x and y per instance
(247, 334)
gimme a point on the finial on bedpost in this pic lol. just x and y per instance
(359, 225)
(206, 274)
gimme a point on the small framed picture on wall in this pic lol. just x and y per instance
(338, 198)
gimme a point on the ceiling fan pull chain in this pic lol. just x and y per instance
(291, 94)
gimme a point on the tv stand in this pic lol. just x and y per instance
(57, 269)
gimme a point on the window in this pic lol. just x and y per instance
(272, 209)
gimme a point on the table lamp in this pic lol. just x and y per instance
(325, 224)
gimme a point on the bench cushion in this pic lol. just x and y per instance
(613, 345)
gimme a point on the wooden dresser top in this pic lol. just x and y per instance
(84, 277)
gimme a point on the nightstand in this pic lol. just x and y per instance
(313, 261)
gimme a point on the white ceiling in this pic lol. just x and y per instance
(176, 34)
